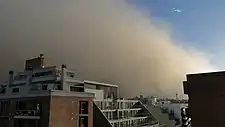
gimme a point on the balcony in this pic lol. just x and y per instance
(43, 78)
(27, 109)
(27, 114)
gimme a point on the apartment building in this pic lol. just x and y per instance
(39, 97)
(43, 96)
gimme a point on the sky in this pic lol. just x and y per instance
(196, 23)
(147, 48)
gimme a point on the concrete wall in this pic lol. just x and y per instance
(99, 94)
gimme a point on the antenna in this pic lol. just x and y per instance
(176, 96)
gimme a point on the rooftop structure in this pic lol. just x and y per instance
(206, 89)
(49, 96)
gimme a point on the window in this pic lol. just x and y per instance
(23, 77)
(58, 73)
(83, 121)
(70, 74)
(35, 87)
(42, 74)
(18, 84)
(20, 77)
(83, 107)
(76, 89)
(120, 114)
(2, 90)
(15, 90)
(72, 88)
(44, 86)
(1, 107)
(57, 86)
(4, 107)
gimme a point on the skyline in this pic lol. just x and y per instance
(111, 41)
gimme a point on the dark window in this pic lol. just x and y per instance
(44, 82)
(35, 87)
(4, 107)
(26, 123)
(121, 114)
(76, 89)
(58, 73)
(42, 74)
(2, 90)
(26, 105)
(57, 86)
(18, 84)
(72, 88)
(20, 77)
(70, 74)
(1, 108)
(44, 87)
(16, 90)
(83, 121)
(83, 107)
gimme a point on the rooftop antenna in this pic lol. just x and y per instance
(176, 96)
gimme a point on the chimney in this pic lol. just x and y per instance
(63, 66)
(41, 56)
(10, 78)
(64, 86)
(10, 72)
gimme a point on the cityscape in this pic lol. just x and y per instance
(41, 96)
(112, 63)
(44, 96)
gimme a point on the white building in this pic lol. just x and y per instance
(118, 112)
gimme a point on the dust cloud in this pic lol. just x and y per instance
(103, 40)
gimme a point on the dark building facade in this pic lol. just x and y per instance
(206, 105)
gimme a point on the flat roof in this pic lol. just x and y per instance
(207, 73)
(48, 93)
(99, 83)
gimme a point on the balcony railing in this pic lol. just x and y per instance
(27, 113)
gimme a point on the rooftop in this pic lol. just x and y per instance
(98, 83)
(37, 79)
(208, 73)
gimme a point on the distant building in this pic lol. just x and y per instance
(206, 93)
(54, 97)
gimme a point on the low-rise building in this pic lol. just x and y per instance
(54, 97)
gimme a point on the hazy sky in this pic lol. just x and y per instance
(200, 23)
(144, 47)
